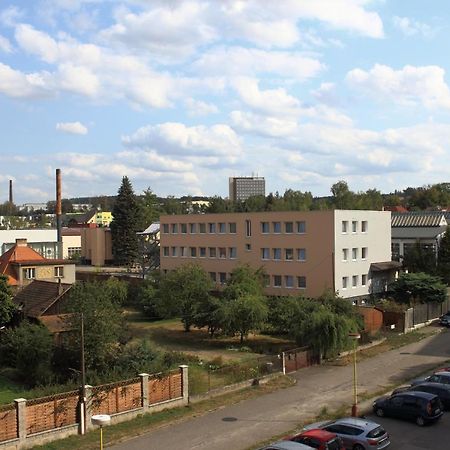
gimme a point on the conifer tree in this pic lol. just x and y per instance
(125, 225)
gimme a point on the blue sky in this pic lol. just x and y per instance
(180, 95)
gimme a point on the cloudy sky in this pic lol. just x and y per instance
(180, 95)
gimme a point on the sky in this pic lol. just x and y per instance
(180, 95)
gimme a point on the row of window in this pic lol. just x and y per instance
(277, 281)
(355, 281)
(201, 252)
(286, 227)
(202, 228)
(29, 273)
(288, 254)
(356, 226)
(355, 253)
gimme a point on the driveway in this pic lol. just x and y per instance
(243, 425)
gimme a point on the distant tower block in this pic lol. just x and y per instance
(10, 192)
(241, 188)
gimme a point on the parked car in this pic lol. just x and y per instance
(443, 369)
(445, 319)
(441, 390)
(356, 434)
(286, 445)
(421, 407)
(319, 439)
(437, 377)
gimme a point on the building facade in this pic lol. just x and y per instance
(300, 252)
(241, 188)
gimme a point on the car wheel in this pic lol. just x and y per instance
(379, 412)
(358, 447)
(420, 421)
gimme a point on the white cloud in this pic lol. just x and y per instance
(411, 85)
(5, 45)
(10, 16)
(72, 127)
(411, 27)
(200, 108)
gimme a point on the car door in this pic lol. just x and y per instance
(393, 406)
(410, 408)
(343, 432)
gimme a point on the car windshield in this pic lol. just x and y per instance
(376, 433)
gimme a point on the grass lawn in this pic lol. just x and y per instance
(10, 391)
(170, 335)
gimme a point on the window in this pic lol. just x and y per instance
(344, 282)
(354, 254)
(222, 252)
(211, 227)
(202, 252)
(288, 254)
(222, 227)
(166, 251)
(265, 253)
(183, 228)
(192, 228)
(29, 273)
(276, 227)
(232, 227)
(59, 271)
(212, 252)
(248, 228)
(288, 227)
(301, 254)
(344, 226)
(174, 228)
(364, 253)
(222, 277)
(165, 228)
(344, 254)
(73, 252)
(277, 281)
(248, 247)
(277, 253)
(174, 251)
(183, 251)
(193, 251)
(363, 279)
(355, 280)
(289, 281)
(265, 227)
(354, 226)
(301, 282)
(202, 227)
(364, 226)
(266, 280)
(213, 276)
(232, 252)
(301, 227)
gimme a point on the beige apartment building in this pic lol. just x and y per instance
(301, 252)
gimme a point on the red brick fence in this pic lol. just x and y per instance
(26, 423)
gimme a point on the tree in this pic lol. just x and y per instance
(29, 349)
(420, 258)
(342, 196)
(246, 313)
(418, 287)
(104, 328)
(7, 306)
(443, 262)
(208, 312)
(244, 280)
(180, 290)
(149, 209)
(125, 225)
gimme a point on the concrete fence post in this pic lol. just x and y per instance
(89, 407)
(185, 383)
(144, 392)
(21, 405)
(283, 356)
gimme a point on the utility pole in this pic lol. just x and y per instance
(83, 380)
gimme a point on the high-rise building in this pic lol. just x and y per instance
(241, 188)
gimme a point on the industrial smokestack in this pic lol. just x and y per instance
(58, 210)
(10, 192)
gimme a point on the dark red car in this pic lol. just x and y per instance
(320, 439)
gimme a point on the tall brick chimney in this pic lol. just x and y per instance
(58, 212)
(10, 192)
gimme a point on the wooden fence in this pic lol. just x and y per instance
(298, 358)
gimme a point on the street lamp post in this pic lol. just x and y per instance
(354, 337)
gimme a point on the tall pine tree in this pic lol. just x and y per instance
(443, 261)
(125, 225)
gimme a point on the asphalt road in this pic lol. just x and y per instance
(408, 436)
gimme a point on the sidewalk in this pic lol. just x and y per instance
(243, 425)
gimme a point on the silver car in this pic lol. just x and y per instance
(438, 377)
(357, 434)
(287, 445)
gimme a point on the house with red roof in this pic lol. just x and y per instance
(21, 264)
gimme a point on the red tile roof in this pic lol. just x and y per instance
(17, 254)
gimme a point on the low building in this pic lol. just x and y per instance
(96, 246)
(71, 243)
(21, 264)
(304, 253)
(44, 241)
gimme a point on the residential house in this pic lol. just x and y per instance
(21, 264)
(302, 253)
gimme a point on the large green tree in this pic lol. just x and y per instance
(125, 225)
(418, 287)
(443, 262)
(7, 306)
(420, 258)
(149, 209)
